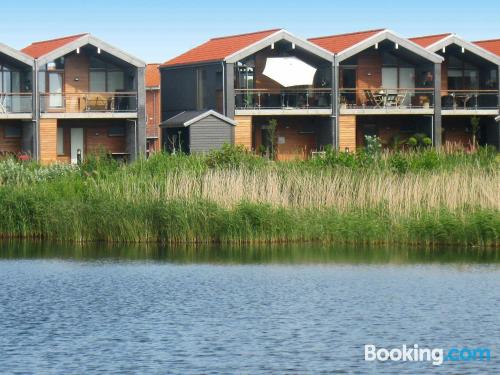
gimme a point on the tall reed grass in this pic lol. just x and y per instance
(434, 198)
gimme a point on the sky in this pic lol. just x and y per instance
(156, 30)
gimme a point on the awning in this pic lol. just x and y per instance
(289, 71)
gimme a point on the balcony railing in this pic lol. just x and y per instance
(383, 98)
(469, 99)
(287, 99)
(16, 103)
(90, 102)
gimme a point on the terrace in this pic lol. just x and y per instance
(283, 79)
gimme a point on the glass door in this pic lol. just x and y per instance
(56, 90)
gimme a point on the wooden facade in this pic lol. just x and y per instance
(347, 133)
(243, 131)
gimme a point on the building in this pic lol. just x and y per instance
(469, 88)
(153, 108)
(386, 87)
(17, 128)
(89, 98)
(335, 90)
(228, 75)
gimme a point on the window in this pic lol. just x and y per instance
(116, 131)
(12, 132)
(97, 81)
(461, 75)
(60, 141)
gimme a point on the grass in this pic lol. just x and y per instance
(229, 196)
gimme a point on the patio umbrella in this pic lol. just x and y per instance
(289, 71)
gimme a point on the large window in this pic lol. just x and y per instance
(462, 75)
(106, 77)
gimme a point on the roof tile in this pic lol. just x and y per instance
(218, 49)
(341, 42)
(44, 47)
(426, 40)
(152, 75)
(492, 45)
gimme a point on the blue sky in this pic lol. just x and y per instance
(156, 30)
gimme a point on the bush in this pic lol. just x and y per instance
(232, 156)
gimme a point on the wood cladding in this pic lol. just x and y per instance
(243, 131)
(347, 133)
(48, 141)
(369, 73)
(76, 80)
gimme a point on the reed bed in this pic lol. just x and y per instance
(427, 198)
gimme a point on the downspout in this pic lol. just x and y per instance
(36, 112)
(224, 88)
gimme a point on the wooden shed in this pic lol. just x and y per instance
(197, 131)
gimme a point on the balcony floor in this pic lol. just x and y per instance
(90, 115)
(387, 111)
(16, 116)
(283, 112)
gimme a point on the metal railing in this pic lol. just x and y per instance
(89, 102)
(386, 98)
(286, 99)
(469, 99)
(16, 103)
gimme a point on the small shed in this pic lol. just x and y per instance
(197, 131)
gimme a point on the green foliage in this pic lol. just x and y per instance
(231, 156)
(373, 145)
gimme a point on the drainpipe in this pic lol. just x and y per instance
(223, 89)
(36, 112)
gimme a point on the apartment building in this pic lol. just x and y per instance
(335, 90)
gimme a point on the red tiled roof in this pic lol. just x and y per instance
(492, 45)
(340, 42)
(152, 75)
(218, 49)
(44, 47)
(427, 40)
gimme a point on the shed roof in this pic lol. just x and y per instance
(187, 118)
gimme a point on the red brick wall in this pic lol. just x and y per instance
(153, 115)
(7, 144)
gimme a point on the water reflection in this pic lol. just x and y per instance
(311, 253)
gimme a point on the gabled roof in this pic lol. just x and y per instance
(153, 76)
(348, 45)
(217, 49)
(49, 50)
(427, 40)
(340, 42)
(187, 118)
(37, 49)
(16, 55)
(492, 45)
(448, 39)
(234, 48)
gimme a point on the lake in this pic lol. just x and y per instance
(305, 309)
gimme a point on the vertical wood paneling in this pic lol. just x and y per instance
(347, 133)
(243, 131)
(48, 141)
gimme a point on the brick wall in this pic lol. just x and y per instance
(10, 144)
(76, 80)
(369, 73)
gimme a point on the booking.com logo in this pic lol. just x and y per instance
(435, 355)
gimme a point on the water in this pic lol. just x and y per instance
(302, 309)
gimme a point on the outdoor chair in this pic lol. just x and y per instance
(97, 103)
(401, 98)
(370, 98)
(391, 100)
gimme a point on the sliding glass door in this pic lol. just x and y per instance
(56, 80)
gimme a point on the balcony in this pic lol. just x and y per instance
(263, 102)
(89, 104)
(460, 101)
(385, 101)
(16, 105)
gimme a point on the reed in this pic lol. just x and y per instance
(436, 198)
